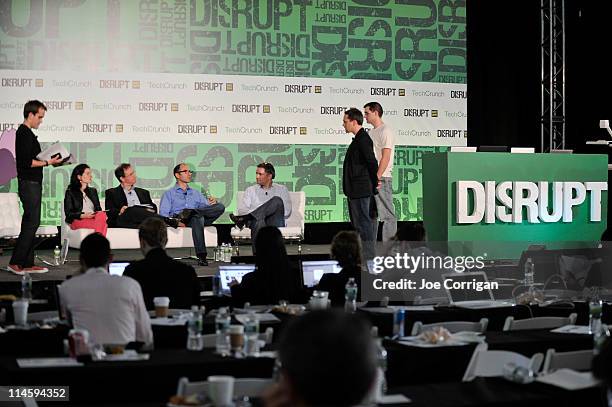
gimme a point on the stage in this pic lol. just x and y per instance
(71, 267)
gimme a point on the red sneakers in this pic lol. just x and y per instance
(36, 270)
(15, 269)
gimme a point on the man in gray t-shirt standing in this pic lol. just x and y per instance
(383, 139)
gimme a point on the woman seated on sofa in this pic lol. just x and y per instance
(81, 203)
(274, 278)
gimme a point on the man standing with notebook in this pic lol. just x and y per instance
(29, 184)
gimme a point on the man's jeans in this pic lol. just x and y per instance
(360, 213)
(204, 217)
(386, 210)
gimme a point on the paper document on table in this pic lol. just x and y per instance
(572, 329)
(569, 379)
(393, 399)
(265, 317)
(47, 362)
(56, 150)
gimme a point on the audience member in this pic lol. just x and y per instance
(273, 279)
(110, 308)
(160, 275)
(327, 359)
(346, 249)
(81, 204)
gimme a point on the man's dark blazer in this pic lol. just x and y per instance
(116, 199)
(359, 179)
(162, 276)
(73, 202)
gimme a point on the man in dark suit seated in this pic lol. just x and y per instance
(128, 205)
(160, 275)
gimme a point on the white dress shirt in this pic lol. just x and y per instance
(111, 308)
(256, 195)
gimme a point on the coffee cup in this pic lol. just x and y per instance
(161, 306)
(221, 390)
(20, 312)
(236, 334)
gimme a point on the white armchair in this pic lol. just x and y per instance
(10, 218)
(295, 223)
(123, 238)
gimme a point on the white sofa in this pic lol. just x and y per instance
(123, 238)
(295, 223)
(10, 218)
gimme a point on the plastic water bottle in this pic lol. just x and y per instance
(56, 255)
(195, 341)
(228, 253)
(381, 358)
(596, 328)
(518, 374)
(398, 323)
(217, 254)
(26, 286)
(529, 273)
(251, 334)
(350, 295)
(222, 323)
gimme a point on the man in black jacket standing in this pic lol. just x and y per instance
(359, 179)
(29, 181)
(128, 205)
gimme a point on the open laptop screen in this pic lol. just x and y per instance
(312, 271)
(233, 272)
(117, 268)
(468, 294)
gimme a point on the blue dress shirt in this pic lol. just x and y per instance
(176, 199)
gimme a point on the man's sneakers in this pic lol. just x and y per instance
(36, 270)
(20, 271)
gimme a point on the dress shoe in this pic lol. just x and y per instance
(202, 262)
(238, 220)
(172, 222)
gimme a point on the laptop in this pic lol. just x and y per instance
(469, 297)
(312, 271)
(117, 268)
(231, 272)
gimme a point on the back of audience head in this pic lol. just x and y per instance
(272, 262)
(411, 232)
(346, 249)
(328, 359)
(94, 252)
(152, 233)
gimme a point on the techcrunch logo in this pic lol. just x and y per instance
(516, 195)
(413, 264)
(259, 88)
(295, 109)
(329, 131)
(346, 91)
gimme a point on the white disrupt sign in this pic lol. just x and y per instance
(516, 195)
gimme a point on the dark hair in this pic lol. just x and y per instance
(346, 249)
(268, 167)
(411, 232)
(75, 184)
(154, 232)
(120, 170)
(95, 251)
(329, 358)
(282, 281)
(33, 106)
(374, 107)
(355, 114)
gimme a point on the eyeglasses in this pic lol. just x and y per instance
(189, 171)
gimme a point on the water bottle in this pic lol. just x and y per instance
(596, 328)
(222, 323)
(529, 273)
(218, 253)
(195, 341)
(228, 253)
(350, 295)
(518, 374)
(26, 286)
(381, 358)
(398, 323)
(56, 255)
(251, 334)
